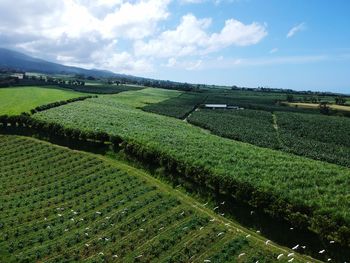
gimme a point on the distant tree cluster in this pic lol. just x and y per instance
(340, 100)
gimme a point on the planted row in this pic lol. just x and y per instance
(101, 213)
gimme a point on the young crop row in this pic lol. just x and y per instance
(251, 126)
(279, 183)
(178, 107)
(90, 210)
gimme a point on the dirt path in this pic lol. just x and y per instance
(275, 126)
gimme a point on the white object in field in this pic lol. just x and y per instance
(279, 256)
(216, 106)
(295, 247)
(241, 255)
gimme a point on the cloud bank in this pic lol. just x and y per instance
(122, 36)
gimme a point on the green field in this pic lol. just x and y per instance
(252, 126)
(178, 107)
(319, 137)
(60, 205)
(14, 101)
(283, 184)
(314, 136)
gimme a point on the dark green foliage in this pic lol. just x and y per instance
(251, 126)
(319, 137)
(178, 107)
(253, 100)
(101, 89)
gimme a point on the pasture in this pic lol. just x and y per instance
(14, 101)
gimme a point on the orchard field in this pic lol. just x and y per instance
(60, 205)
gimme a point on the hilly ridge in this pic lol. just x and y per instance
(10, 59)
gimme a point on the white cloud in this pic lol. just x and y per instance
(189, 65)
(74, 31)
(119, 35)
(237, 33)
(191, 38)
(296, 29)
(118, 19)
(274, 50)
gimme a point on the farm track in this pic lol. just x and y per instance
(275, 126)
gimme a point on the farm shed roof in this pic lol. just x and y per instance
(215, 105)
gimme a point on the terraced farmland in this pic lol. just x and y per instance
(59, 205)
(282, 184)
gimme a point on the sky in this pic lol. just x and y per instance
(292, 44)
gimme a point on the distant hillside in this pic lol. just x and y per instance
(14, 60)
(10, 59)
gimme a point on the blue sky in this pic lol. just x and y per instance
(296, 44)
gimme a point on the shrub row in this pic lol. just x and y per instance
(59, 103)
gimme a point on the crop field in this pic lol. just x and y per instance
(316, 106)
(316, 136)
(272, 173)
(178, 107)
(266, 101)
(147, 96)
(251, 126)
(17, 100)
(103, 89)
(60, 205)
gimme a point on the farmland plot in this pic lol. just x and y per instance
(264, 175)
(59, 205)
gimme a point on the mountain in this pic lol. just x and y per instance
(10, 59)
